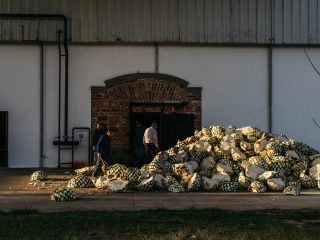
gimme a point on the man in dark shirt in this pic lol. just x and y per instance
(138, 143)
(103, 151)
(97, 133)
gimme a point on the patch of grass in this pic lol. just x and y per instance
(162, 224)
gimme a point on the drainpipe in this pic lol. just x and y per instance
(59, 87)
(66, 77)
(41, 104)
(270, 48)
(156, 62)
(270, 89)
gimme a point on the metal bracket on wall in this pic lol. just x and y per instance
(70, 145)
(62, 146)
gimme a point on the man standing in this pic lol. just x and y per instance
(138, 143)
(104, 151)
(97, 133)
(150, 141)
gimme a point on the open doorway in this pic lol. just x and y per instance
(146, 119)
(171, 127)
(175, 127)
(3, 139)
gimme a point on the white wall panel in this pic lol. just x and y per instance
(51, 90)
(19, 95)
(296, 95)
(234, 81)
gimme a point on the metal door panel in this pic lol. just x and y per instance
(175, 127)
(3, 139)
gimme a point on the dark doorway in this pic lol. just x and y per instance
(175, 127)
(3, 139)
(146, 119)
(171, 127)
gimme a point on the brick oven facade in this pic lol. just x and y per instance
(142, 93)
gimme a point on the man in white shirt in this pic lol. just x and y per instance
(150, 141)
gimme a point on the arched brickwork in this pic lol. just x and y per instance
(146, 90)
(110, 104)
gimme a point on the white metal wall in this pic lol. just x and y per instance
(234, 82)
(19, 94)
(296, 95)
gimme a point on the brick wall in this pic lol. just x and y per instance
(111, 104)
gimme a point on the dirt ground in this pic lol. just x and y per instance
(18, 192)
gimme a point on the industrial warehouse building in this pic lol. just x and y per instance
(185, 63)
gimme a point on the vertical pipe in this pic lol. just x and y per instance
(72, 149)
(59, 94)
(22, 32)
(271, 39)
(41, 104)
(156, 58)
(66, 58)
(131, 127)
(270, 89)
(89, 148)
(59, 101)
(7, 139)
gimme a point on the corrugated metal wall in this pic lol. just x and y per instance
(181, 21)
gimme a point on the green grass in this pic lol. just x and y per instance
(162, 224)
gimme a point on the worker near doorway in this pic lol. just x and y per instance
(150, 141)
(138, 144)
(97, 133)
(103, 151)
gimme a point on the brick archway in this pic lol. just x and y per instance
(111, 103)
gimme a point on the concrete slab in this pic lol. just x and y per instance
(17, 193)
